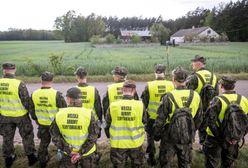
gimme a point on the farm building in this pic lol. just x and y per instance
(194, 35)
(144, 34)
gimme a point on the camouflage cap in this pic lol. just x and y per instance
(227, 80)
(74, 93)
(180, 74)
(9, 66)
(129, 84)
(159, 68)
(199, 58)
(81, 72)
(122, 71)
(47, 76)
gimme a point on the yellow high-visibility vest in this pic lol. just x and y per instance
(10, 102)
(115, 92)
(88, 98)
(181, 97)
(156, 90)
(127, 129)
(45, 105)
(206, 76)
(224, 106)
(73, 124)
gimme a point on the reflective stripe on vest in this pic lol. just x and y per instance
(10, 102)
(181, 97)
(157, 89)
(115, 92)
(45, 105)
(88, 98)
(127, 129)
(224, 106)
(73, 124)
(206, 75)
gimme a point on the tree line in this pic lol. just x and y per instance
(228, 18)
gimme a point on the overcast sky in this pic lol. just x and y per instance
(40, 14)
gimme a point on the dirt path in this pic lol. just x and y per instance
(241, 88)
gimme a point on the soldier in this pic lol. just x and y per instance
(114, 91)
(74, 133)
(179, 115)
(14, 106)
(45, 103)
(125, 121)
(217, 146)
(151, 98)
(90, 98)
(205, 84)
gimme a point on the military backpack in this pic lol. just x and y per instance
(235, 122)
(182, 127)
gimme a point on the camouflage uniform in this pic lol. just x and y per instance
(119, 156)
(168, 149)
(43, 130)
(24, 125)
(217, 150)
(61, 144)
(192, 83)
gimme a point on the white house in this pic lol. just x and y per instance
(197, 33)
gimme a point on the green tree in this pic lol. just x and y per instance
(159, 31)
(209, 19)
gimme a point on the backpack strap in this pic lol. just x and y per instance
(191, 96)
(201, 78)
(173, 99)
(239, 99)
(228, 102)
(212, 78)
(225, 99)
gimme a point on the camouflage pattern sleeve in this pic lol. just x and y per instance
(145, 97)
(24, 96)
(98, 105)
(192, 82)
(58, 139)
(60, 101)
(163, 113)
(92, 137)
(199, 116)
(144, 117)
(105, 103)
(108, 123)
(31, 109)
(213, 113)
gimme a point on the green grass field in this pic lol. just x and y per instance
(32, 57)
(197, 160)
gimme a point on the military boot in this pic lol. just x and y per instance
(32, 159)
(9, 161)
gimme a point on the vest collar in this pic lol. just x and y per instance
(181, 88)
(45, 87)
(127, 97)
(9, 76)
(229, 92)
(82, 84)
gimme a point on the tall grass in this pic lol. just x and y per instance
(33, 57)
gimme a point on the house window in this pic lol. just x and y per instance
(209, 31)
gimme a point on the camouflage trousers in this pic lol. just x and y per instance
(45, 139)
(84, 162)
(119, 157)
(9, 125)
(151, 150)
(169, 150)
(217, 154)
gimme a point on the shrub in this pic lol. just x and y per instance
(135, 39)
(110, 38)
(56, 62)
